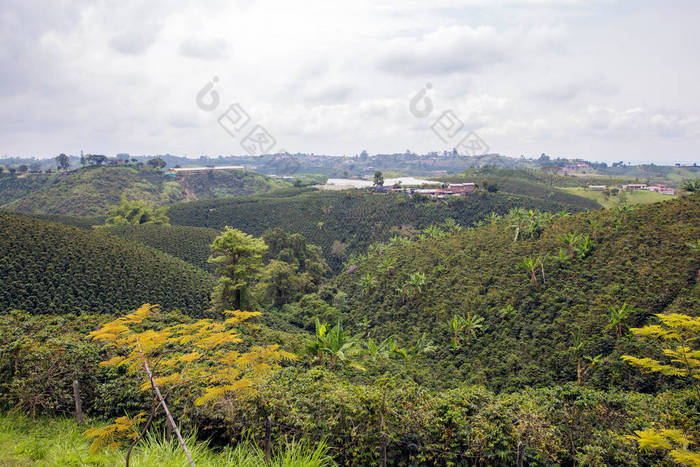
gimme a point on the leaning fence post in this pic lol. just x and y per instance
(268, 423)
(78, 406)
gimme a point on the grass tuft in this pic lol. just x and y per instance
(59, 441)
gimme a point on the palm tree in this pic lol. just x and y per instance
(616, 316)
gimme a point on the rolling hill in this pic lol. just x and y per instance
(52, 268)
(90, 191)
(190, 244)
(346, 223)
(531, 322)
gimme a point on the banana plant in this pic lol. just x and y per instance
(433, 231)
(387, 265)
(334, 343)
(530, 264)
(465, 326)
(451, 226)
(694, 246)
(616, 317)
(367, 283)
(584, 247)
(570, 240)
(416, 281)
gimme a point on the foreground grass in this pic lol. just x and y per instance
(59, 441)
(632, 196)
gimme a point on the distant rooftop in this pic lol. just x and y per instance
(204, 169)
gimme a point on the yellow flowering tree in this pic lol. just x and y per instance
(203, 354)
(681, 332)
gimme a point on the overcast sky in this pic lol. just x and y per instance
(602, 80)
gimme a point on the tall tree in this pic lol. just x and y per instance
(62, 162)
(198, 357)
(134, 213)
(238, 257)
(680, 333)
(157, 163)
(95, 159)
(378, 178)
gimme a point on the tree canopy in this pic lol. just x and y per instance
(135, 213)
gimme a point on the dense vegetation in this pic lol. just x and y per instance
(539, 305)
(52, 268)
(479, 330)
(522, 183)
(190, 244)
(566, 424)
(345, 223)
(91, 191)
(80, 222)
(223, 184)
(14, 187)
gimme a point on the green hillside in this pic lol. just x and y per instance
(346, 223)
(91, 191)
(190, 244)
(15, 187)
(52, 268)
(73, 221)
(639, 257)
(631, 197)
(513, 181)
(227, 183)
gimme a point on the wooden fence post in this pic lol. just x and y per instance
(78, 406)
(520, 454)
(168, 430)
(268, 423)
(383, 449)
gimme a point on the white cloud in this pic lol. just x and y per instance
(563, 77)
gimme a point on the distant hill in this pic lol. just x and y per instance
(90, 191)
(639, 257)
(346, 223)
(190, 244)
(51, 268)
(73, 221)
(536, 186)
